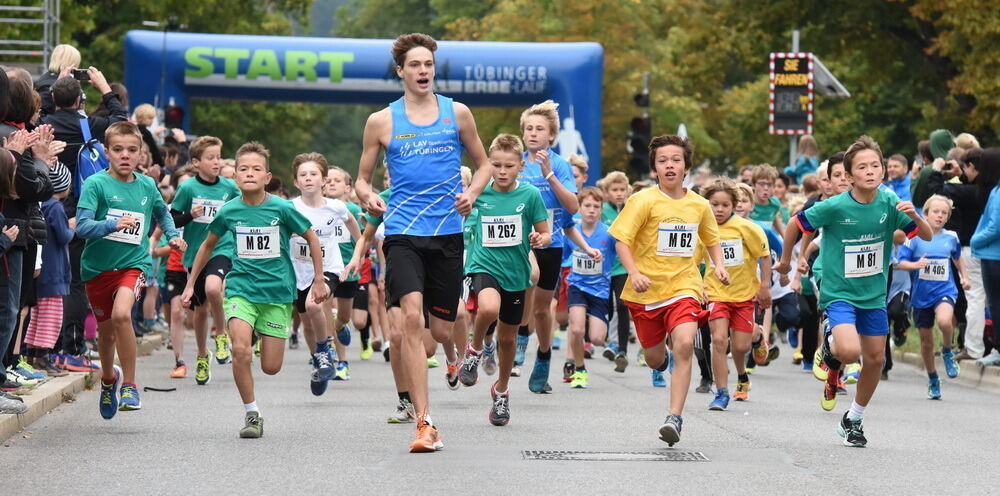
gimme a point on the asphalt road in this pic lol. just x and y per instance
(779, 442)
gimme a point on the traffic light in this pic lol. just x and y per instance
(173, 117)
(640, 133)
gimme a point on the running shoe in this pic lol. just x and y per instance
(670, 431)
(579, 380)
(951, 366)
(223, 352)
(179, 372)
(86, 359)
(404, 413)
(588, 350)
(934, 388)
(640, 358)
(489, 360)
(899, 336)
(569, 368)
(322, 366)
(658, 379)
(366, 352)
(25, 368)
(797, 356)
(451, 376)
(469, 372)
(819, 369)
(807, 365)
(15, 376)
(852, 372)
(515, 371)
(793, 337)
(851, 431)
(500, 412)
(316, 384)
(705, 386)
(376, 345)
(991, 359)
(130, 400)
(385, 353)
(253, 426)
(522, 348)
(621, 362)
(293, 341)
(9, 406)
(43, 364)
(428, 440)
(773, 352)
(344, 335)
(109, 395)
(539, 376)
(202, 370)
(721, 401)
(829, 398)
(760, 352)
(556, 339)
(742, 391)
(343, 372)
(77, 363)
(610, 351)
(749, 370)
(433, 363)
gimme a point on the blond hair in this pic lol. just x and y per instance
(591, 192)
(614, 177)
(549, 110)
(466, 176)
(578, 162)
(123, 128)
(808, 146)
(63, 56)
(763, 172)
(507, 143)
(145, 111)
(966, 141)
(940, 198)
(746, 189)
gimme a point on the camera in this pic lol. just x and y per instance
(81, 75)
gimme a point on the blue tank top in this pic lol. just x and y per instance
(559, 216)
(425, 168)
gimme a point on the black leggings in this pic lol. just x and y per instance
(809, 322)
(618, 306)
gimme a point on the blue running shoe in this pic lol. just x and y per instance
(721, 401)
(323, 368)
(611, 351)
(317, 385)
(539, 376)
(522, 347)
(344, 335)
(670, 431)
(658, 379)
(109, 395)
(129, 398)
(934, 388)
(25, 369)
(951, 366)
(793, 338)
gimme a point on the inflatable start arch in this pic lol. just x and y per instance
(361, 71)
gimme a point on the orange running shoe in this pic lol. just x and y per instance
(180, 372)
(428, 440)
(760, 352)
(452, 376)
(742, 391)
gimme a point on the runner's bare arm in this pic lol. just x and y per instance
(200, 260)
(372, 144)
(474, 147)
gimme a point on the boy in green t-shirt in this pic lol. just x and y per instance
(194, 207)
(261, 287)
(766, 207)
(113, 215)
(858, 229)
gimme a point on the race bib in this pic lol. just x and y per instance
(937, 269)
(863, 260)
(585, 265)
(130, 235)
(676, 240)
(257, 242)
(339, 233)
(211, 209)
(300, 250)
(732, 252)
(501, 230)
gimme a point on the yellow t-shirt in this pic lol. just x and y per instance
(742, 243)
(664, 235)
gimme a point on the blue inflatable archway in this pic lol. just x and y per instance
(361, 71)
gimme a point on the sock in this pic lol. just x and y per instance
(251, 407)
(663, 366)
(523, 331)
(744, 378)
(365, 335)
(130, 384)
(857, 411)
(544, 355)
(946, 349)
(148, 322)
(722, 390)
(932, 376)
(404, 396)
(581, 368)
(179, 363)
(562, 328)
(490, 346)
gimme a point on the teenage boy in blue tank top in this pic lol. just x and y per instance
(423, 135)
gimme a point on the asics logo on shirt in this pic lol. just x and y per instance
(882, 219)
(274, 221)
(519, 208)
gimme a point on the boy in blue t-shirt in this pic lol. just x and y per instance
(934, 291)
(589, 282)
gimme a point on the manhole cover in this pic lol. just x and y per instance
(616, 456)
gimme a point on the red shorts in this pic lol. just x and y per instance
(101, 290)
(472, 303)
(653, 326)
(739, 313)
(562, 302)
(365, 271)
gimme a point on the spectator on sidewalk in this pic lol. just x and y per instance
(808, 160)
(64, 59)
(986, 240)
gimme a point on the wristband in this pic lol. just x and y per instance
(549, 175)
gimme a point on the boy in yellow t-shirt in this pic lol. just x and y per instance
(658, 235)
(743, 244)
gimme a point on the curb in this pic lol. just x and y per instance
(971, 375)
(49, 395)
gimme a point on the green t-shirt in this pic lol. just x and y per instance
(856, 246)
(469, 237)
(608, 216)
(196, 191)
(766, 213)
(110, 198)
(347, 248)
(262, 265)
(501, 233)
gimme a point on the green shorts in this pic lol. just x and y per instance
(268, 319)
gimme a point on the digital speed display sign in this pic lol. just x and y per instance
(790, 105)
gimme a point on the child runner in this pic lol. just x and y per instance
(767, 207)
(508, 210)
(194, 207)
(858, 229)
(174, 280)
(113, 216)
(658, 233)
(260, 288)
(934, 289)
(616, 190)
(732, 305)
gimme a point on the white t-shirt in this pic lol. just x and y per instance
(328, 222)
